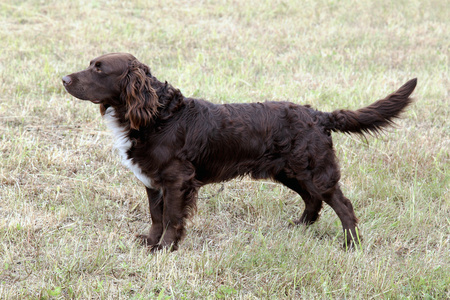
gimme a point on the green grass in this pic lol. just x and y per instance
(69, 211)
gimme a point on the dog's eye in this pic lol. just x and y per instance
(97, 66)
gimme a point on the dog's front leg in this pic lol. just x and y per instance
(179, 194)
(173, 217)
(155, 201)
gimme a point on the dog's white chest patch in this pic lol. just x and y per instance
(122, 144)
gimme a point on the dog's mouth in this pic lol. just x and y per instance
(96, 101)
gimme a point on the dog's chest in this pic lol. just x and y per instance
(123, 144)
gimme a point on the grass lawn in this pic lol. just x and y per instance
(69, 210)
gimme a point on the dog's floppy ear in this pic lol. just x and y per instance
(138, 95)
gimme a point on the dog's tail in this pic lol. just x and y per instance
(373, 118)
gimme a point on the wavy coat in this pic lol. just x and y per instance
(175, 144)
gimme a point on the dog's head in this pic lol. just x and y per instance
(118, 80)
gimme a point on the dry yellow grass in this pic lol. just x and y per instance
(69, 210)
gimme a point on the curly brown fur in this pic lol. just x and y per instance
(175, 145)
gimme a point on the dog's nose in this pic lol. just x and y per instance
(67, 80)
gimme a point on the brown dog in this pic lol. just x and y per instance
(175, 145)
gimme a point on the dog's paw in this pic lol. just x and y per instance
(147, 240)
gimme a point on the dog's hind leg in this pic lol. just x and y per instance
(344, 209)
(324, 186)
(313, 204)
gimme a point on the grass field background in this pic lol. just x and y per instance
(69, 211)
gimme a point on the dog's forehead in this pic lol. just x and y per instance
(114, 58)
